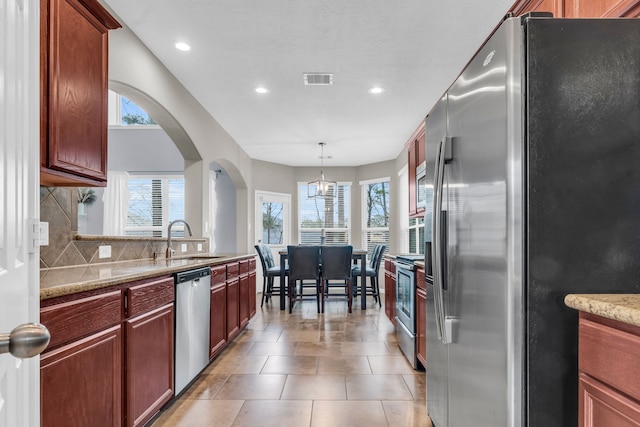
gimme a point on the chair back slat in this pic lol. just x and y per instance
(263, 261)
(378, 260)
(336, 262)
(304, 262)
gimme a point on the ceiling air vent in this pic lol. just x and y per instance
(318, 79)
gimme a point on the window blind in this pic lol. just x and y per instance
(329, 215)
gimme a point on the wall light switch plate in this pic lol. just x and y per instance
(199, 247)
(104, 251)
(183, 247)
(44, 233)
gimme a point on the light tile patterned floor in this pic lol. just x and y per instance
(307, 369)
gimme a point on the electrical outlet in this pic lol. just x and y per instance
(183, 247)
(199, 247)
(44, 233)
(104, 251)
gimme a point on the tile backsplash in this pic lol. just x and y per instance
(59, 207)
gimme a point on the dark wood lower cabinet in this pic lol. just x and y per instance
(390, 292)
(603, 406)
(252, 293)
(244, 300)
(111, 357)
(149, 364)
(609, 368)
(218, 327)
(82, 382)
(233, 308)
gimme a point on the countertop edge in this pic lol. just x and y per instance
(93, 284)
(621, 307)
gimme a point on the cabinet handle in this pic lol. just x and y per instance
(25, 341)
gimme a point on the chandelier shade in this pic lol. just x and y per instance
(321, 187)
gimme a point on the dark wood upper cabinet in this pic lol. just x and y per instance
(580, 8)
(416, 152)
(73, 85)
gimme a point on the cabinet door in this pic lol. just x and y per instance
(233, 308)
(74, 92)
(411, 164)
(81, 382)
(244, 300)
(390, 296)
(252, 294)
(601, 406)
(149, 364)
(421, 329)
(218, 327)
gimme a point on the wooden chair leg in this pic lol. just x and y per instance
(264, 290)
(291, 288)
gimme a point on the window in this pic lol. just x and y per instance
(154, 202)
(411, 229)
(272, 223)
(327, 217)
(416, 235)
(375, 213)
(124, 112)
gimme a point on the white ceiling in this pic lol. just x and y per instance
(412, 48)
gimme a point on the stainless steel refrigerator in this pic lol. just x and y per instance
(533, 157)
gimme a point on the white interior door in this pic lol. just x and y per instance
(273, 220)
(19, 204)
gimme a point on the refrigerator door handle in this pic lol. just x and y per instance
(442, 326)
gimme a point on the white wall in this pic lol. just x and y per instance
(135, 72)
(132, 150)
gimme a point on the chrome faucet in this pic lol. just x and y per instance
(170, 250)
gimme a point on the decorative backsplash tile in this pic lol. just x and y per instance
(59, 207)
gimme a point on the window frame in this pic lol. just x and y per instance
(348, 213)
(363, 211)
(114, 109)
(164, 179)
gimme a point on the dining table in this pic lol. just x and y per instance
(357, 255)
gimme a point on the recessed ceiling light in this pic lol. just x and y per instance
(376, 90)
(183, 46)
(261, 89)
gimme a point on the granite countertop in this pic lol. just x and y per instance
(621, 307)
(55, 282)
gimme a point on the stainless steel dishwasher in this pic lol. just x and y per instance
(193, 289)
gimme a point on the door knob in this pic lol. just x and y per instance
(25, 341)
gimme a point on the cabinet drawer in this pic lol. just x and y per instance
(611, 356)
(252, 264)
(150, 295)
(232, 270)
(389, 266)
(218, 274)
(600, 405)
(76, 319)
(244, 266)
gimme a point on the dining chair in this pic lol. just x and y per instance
(304, 264)
(372, 270)
(269, 271)
(336, 265)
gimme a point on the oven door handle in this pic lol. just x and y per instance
(438, 253)
(404, 266)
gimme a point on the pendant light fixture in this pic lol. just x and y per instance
(321, 187)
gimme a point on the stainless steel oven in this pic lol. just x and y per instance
(406, 305)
